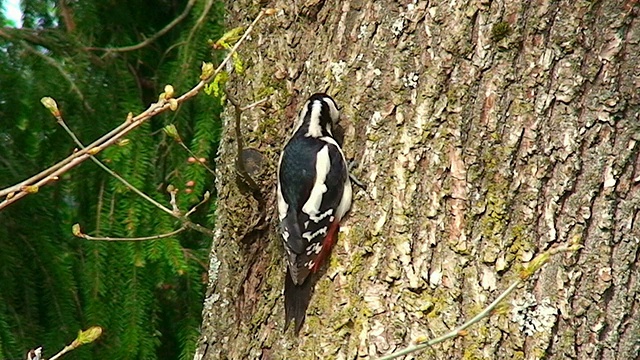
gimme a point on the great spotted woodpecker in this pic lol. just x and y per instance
(314, 193)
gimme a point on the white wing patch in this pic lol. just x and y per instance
(287, 248)
(308, 235)
(282, 205)
(323, 165)
(314, 248)
(345, 202)
(317, 218)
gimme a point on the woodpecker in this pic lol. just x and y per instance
(314, 193)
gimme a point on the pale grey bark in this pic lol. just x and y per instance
(486, 132)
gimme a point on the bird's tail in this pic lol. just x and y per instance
(296, 301)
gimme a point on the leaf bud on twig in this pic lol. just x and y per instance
(87, 337)
(172, 132)
(535, 265)
(168, 92)
(76, 231)
(173, 104)
(31, 189)
(51, 105)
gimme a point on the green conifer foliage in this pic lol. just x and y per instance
(146, 295)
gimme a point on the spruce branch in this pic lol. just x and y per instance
(200, 21)
(524, 275)
(55, 64)
(45, 38)
(67, 15)
(31, 185)
(154, 37)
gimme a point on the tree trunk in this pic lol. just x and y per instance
(486, 133)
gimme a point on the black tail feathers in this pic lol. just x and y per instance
(296, 301)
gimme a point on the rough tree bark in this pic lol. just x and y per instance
(486, 132)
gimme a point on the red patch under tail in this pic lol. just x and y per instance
(327, 244)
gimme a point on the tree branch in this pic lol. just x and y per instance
(172, 132)
(109, 171)
(175, 212)
(205, 11)
(33, 184)
(153, 38)
(142, 238)
(62, 72)
(67, 15)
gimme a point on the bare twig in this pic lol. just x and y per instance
(172, 132)
(84, 337)
(32, 185)
(54, 170)
(175, 212)
(534, 266)
(111, 172)
(154, 37)
(252, 105)
(143, 238)
(35, 354)
(173, 201)
(62, 352)
(197, 158)
(205, 198)
(240, 163)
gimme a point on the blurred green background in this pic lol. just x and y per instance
(147, 295)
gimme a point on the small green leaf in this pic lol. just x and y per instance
(207, 71)
(87, 336)
(237, 64)
(229, 38)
